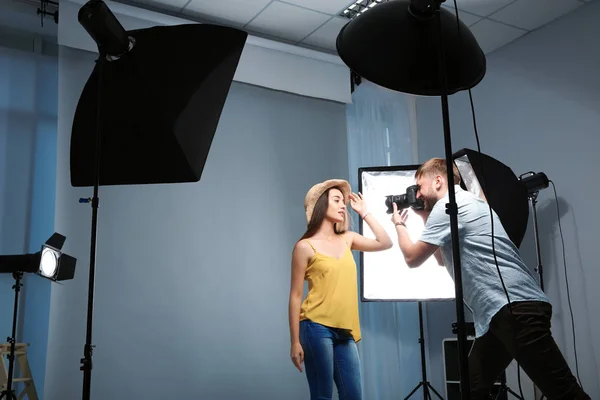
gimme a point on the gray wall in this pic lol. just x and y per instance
(193, 279)
(538, 109)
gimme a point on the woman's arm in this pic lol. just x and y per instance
(382, 240)
(300, 256)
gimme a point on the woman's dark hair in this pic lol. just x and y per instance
(318, 216)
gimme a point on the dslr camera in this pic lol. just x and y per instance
(409, 199)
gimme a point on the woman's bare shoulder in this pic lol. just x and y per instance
(348, 236)
(303, 247)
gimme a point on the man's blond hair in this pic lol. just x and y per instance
(437, 166)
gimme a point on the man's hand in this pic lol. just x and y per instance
(399, 217)
(417, 253)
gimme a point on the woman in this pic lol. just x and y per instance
(325, 327)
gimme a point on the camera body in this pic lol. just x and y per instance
(409, 199)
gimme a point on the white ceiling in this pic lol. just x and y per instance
(315, 23)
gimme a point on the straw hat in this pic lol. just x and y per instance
(317, 190)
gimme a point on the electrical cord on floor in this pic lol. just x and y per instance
(490, 206)
(562, 239)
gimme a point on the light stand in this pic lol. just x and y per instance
(452, 210)
(534, 183)
(153, 116)
(86, 361)
(424, 383)
(113, 42)
(536, 235)
(9, 393)
(404, 46)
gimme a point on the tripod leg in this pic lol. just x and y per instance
(426, 395)
(514, 394)
(500, 393)
(424, 382)
(434, 391)
(414, 390)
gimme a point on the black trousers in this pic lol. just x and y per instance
(525, 336)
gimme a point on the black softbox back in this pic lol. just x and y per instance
(160, 106)
(503, 190)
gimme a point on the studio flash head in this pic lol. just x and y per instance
(409, 199)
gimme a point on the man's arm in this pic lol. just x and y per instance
(417, 253)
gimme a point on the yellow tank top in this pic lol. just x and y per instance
(332, 298)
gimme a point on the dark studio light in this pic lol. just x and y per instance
(50, 262)
(417, 47)
(102, 25)
(148, 112)
(534, 182)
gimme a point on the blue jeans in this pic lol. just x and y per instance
(330, 356)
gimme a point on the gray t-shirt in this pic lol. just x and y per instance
(482, 288)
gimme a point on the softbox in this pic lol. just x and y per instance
(503, 190)
(384, 275)
(160, 106)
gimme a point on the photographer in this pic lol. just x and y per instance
(521, 332)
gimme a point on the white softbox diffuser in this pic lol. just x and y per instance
(385, 276)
